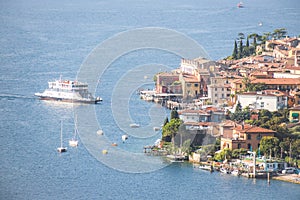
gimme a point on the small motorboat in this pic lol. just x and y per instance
(206, 167)
(224, 171)
(100, 132)
(240, 5)
(134, 125)
(156, 128)
(114, 144)
(124, 137)
(235, 172)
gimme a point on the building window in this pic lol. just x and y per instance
(248, 136)
(262, 104)
(222, 89)
(249, 147)
(258, 137)
(216, 89)
(216, 95)
(196, 85)
(216, 101)
(239, 146)
(188, 85)
(222, 95)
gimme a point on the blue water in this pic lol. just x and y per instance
(41, 40)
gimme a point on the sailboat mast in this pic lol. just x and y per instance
(61, 126)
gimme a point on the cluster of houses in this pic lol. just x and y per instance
(203, 90)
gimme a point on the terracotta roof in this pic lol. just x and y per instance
(200, 123)
(252, 129)
(256, 129)
(202, 112)
(292, 67)
(237, 81)
(278, 81)
(228, 123)
(190, 79)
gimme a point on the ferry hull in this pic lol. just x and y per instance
(70, 100)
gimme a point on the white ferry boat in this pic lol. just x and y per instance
(68, 91)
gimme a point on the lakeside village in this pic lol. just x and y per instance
(239, 115)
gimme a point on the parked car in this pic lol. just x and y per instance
(289, 170)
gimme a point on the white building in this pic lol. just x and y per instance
(271, 100)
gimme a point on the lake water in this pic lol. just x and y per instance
(41, 40)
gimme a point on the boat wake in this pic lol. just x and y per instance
(14, 96)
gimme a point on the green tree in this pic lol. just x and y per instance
(265, 113)
(236, 153)
(240, 50)
(253, 46)
(268, 144)
(186, 146)
(279, 33)
(238, 107)
(166, 121)
(171, 128)
(174, 114)
(224, 154)
(241, 36)
(235, 51)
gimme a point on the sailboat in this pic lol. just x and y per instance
(61, 149)
(74, 142)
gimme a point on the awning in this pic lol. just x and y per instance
(295, 115)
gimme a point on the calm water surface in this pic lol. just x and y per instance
(41, 40)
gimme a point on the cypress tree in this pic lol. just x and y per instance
(174, 114)
(166, 121)
(240, 52)
(247, 42)
(234, 53)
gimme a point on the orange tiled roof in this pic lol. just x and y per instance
(228, 123)
(192, 111)
(278, 81)
(256, 129)
(190, 79)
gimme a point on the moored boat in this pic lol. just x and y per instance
(224, 171)
(235, 172)
(68, 91)
(206, 167)
(240, 5)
